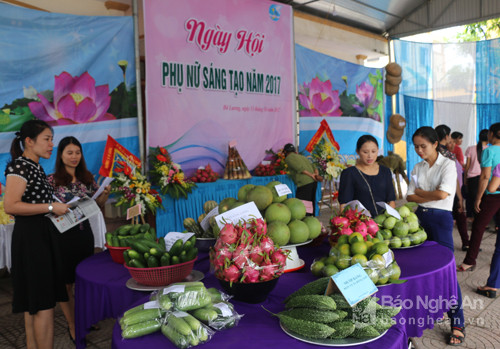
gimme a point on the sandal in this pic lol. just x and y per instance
(460, 339)
(486, 292)
(461, 268)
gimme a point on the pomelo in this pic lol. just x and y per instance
(387, 234)
(400, 229)
(389, 222)
(276, 198)
(380, 219)
(299, 232)
(395, 242)
(297, 208)
(279, 232)
(225, 204)
(261, 196)
(314, 226)
(278, 212)
(413, 226)
(404, 211)
(243, 191)
(405, 241)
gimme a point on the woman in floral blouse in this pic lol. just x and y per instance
(72, 179)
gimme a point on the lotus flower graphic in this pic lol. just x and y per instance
(76, 101)
(318, 99)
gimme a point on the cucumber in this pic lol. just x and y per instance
(192, 254)
(135, 229)
(183, 257)
(165, 260)
(187, 245)
(179, 324)
(192, 240)
(192, 322)
(135, 263)
(155, 252)
(124, 229)
(176, 248)
(133, 254)
(141, 316)
(153, 262)
(148, 236)
(215, 295)
(141, 329)
(174, 260)
(109, 237)
(133, 310)
(165, 302)
(152, 244)
(175, 337)
(126, 257)
(206, 314)
(139, 246)
(191, 300)
(152, 232)
(144, 227)
(115, 242)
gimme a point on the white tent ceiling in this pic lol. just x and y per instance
(397, 18)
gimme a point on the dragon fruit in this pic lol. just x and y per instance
(228, 234)
(345, 231)
(267, 245)
(340, 221)
(250, 275)
(268, 272)
(222, 255)
(279, 258)
(352, 214)
(257, 255)
(360, 227)
(372, 227)
(231, 273)
(258, 226)
(241, 255)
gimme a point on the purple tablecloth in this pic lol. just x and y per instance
(257, 328)
(100, 293)
(430, 271)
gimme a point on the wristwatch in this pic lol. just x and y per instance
(51, 208)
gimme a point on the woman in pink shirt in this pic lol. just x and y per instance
(473, 170)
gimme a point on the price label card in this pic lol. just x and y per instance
(172, 237)
(308, 205)
(152, 305)
(393, 212)
(353, 283)
(388, 258)
(205, 223)
(265, 162)
(282, 189)
(174, 288)
(359, 206)
(244, 212)
(134, 211)
(224, 308)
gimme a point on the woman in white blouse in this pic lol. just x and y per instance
(433, 186)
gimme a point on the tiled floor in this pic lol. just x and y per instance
(482, 314)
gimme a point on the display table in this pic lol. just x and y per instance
(97, 224)
(175, 211)
(429, 269)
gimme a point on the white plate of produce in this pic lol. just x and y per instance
(344, 342)
(195, 275)
(295, 245)
(404, 248)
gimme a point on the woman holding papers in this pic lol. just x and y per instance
(368, 182)
(73, 180)
(432, 186)
(36, 261)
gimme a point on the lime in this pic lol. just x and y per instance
(359, 247)
(343, 239)
(331, 260)
(316, 268)
(377, 261)
(375, 240)
(395, 242)
(380, 248)
(383, 276)
(369, 245)
(355, 237)
(344, 249)
(329, 270)
(394, 271)
(372, 274)
(359, 258)
(343, 262)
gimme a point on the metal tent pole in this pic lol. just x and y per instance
(140, 128)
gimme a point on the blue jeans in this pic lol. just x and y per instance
(438, 224)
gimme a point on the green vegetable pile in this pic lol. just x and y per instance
(314, 315)
(122, 236)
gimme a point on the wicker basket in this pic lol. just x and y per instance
(161, 276)
(117, 253)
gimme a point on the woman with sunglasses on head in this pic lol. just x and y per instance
(432, 186)
(36, 262)
(72, 179)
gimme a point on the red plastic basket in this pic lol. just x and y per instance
(161, 276)
(117, 253)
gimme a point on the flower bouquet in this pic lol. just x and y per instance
(132, 188)
(278, 161)
(326, 159)
(246, 261)
(168, 175)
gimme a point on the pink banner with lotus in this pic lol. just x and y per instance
(218, 71)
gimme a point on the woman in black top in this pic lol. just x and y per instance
(368, 182)
(36, 273)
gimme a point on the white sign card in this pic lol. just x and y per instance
(265, 162)
(172, 237)
(104, 184)
(393, 212)
(152, 305)
(358, 205)
(282, 189)
(244, 212)
(205, 223)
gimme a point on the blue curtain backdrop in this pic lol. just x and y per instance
(488, 83)
(422, 114)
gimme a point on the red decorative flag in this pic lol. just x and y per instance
(113, 153)
(323, 128)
